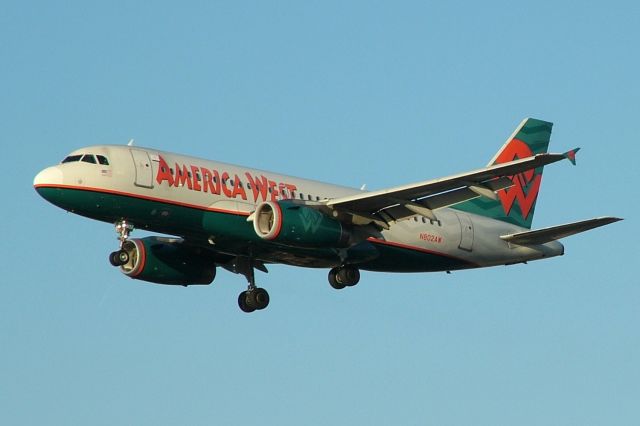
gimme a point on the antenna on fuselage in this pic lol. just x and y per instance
(131, 141)
(363, 187)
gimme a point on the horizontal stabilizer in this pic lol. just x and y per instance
(541, 236)
(571, 155)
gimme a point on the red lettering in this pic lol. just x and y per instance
(164, 173)
(431, 238)
(238, 189)
(196, 183)
(284, 194)
(259, 187)
(273, 188)
(225, 188)
(211, 182)
(290, 188)
(182, 176)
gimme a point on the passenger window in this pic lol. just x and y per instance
(317, 198)
(102, 160)
(301, 196)
(88, 158)
(72, 159)
(309, 197)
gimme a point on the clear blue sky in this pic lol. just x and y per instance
(351, 93)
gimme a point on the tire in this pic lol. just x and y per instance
(348, 276)
(261, 298)
(113, 259)
(242, 303)
(333, 281)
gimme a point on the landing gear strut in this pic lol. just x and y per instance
(121, 257)
(344, 276)
(254, 298)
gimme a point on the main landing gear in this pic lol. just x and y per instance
(253, 298)
(121, 257)
(344, 276)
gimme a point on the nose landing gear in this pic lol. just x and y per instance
(121, 257)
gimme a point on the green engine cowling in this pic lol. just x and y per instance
(298, 225)
(165, 261)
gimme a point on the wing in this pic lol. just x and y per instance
(388, 205)
(541, 236)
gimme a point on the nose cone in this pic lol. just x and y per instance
(47, 183)
(50, 176)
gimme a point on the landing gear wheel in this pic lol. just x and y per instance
(344, 276)
(333, 280)
(260, 298)
(123, 256)
(113, 258)
(119, 258)
(349, 275)
(254, 298)
(242, 302)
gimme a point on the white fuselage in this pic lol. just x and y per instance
(211, 186)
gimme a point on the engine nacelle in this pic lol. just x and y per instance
(162, 261)
(297, 225)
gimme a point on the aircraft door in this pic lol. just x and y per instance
(466, 231)
(144, 171)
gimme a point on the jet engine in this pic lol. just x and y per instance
(297, 225)
(166, 261)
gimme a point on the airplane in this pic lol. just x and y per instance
(242, 219)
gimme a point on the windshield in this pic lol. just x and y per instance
(87, 158)
(72, 158)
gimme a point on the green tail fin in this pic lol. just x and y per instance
(517, 203)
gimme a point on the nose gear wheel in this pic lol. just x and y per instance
(121, 257)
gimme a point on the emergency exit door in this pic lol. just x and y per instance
(466, 231)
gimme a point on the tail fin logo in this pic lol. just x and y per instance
(525, 185)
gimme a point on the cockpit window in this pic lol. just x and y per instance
(72, 158)
(88, 158)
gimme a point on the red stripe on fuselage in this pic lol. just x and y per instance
(142, 197)
(238, 213)
(419, 249)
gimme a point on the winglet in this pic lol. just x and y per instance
(571, 155)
